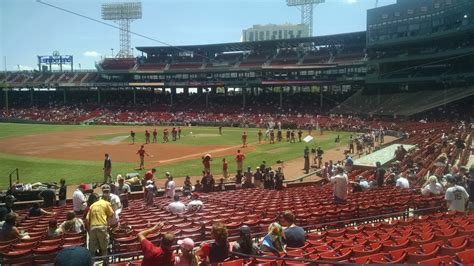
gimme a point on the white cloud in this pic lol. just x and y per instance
(91, 54)
(350, 1)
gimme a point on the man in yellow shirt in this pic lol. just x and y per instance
(96, 218)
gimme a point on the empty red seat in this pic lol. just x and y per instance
(445, 260)
(466, 257)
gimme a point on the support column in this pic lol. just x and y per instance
(6, 100)
(134, 96)
(98, 95)
(207, 99)
(244, 90)
(31, 96)
(64, 95)
(320, 99)
(281, 98)
(186, 91)
(171, 97)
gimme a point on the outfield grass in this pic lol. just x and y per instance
(33, 169)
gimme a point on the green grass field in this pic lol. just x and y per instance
(34, 169)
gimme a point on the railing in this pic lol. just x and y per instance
(17, 176)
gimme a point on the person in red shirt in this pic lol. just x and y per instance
(179, 132)
(153, 255)
(225, 166)
(141, 152)
(206, 162)
(239, 158)
(244, 139)
(147, 137)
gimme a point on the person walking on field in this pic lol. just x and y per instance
(244, 139)
(132, 135)
(259, 136)
(141, 152)
(155, 134)
(107, 169)
(239, 158)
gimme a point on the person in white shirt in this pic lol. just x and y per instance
(402, 182)
(170, 186)
(340, 185)
(195, 204)
(456, 196)
(432, 187)
(115, 202)
(79, 202)
(176, 207)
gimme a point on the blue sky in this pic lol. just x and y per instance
(28, 28)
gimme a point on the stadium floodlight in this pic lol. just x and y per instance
(306, 7)
(123, 13)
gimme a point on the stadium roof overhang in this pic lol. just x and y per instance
(348, 38)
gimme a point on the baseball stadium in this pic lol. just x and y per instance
(285, 148)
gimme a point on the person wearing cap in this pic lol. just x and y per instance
(107, 169)
(170, 186)
(456, 196)
(306, 159)
(96, 220)
(123, 191)
(153, 255)
(149, 194)
(115, 202)
(79, 200)
(239, 159)
(186, 255)
(195, 204)
(431, 187)
(176, 207)
(257, 178)
(340, 185)
(244, 244)
(141, 153)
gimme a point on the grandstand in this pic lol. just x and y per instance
(409, 74)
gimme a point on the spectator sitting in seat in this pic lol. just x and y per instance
(186, 255)
(402, 182)
(294, 235)
(432, 187)
(273, 241)
(36, 210)
(198, 186)
(53, 229)
(153, 255)
(176, 207)
(360, 185)
(195, 204)
(9, 230)
(218, 251)
(72, 224)
(245, 244)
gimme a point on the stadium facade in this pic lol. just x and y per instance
(411, 50)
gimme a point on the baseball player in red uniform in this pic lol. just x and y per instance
(141, 152)
(239, 158)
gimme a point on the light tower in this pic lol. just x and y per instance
(306, 7)
(123, 13)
